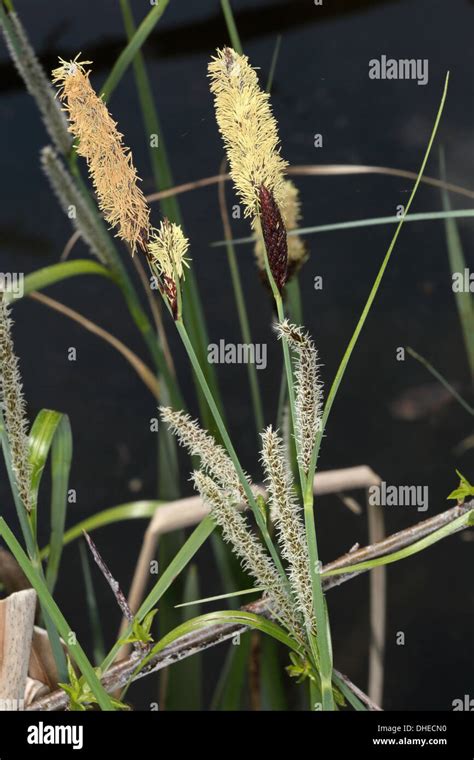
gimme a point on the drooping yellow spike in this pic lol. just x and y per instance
(109, 161)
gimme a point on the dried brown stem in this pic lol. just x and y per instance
(323, 170)
(144, 372)
(367, 701)
(114, 585)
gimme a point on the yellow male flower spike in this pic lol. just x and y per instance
(249, 130)
(109, 161)
(167, 249)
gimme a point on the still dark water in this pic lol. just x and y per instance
(321, 86)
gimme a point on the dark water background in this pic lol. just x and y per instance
(321, 86)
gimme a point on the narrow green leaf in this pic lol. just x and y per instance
(457, 263)
(186, 676)
(47, 276)
(229, 692)
(27, 524)
(237, 617)
(231, 26)
(92, 607)
(273, 688)
(428, 216)
(61, 458)
(129, 52)
(221, 596)
(349, 694)
(135, 510)
(374, 290)
(41, 437)
(271, 73)
(170, 208)
(168, 468)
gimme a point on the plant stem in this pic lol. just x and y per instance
(320, 646)
(228, 444)
(241, 309)
(319, 605)
(246, 335)
(231, 26)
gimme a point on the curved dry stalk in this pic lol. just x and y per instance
(144, 372)
(334, 170)
(70, 245)
(324, 170)
(152, 302)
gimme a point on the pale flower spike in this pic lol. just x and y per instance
(13, 408)
(198, 442)
(308, 387)
(286, 513)
(250, 551)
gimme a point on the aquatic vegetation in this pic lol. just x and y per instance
(269, 527)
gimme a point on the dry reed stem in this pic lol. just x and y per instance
(144, 372)
(303, 170)
(17, 614)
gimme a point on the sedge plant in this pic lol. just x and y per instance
(273, 536)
